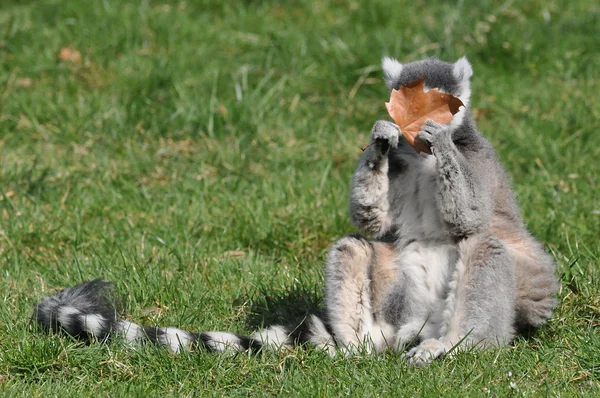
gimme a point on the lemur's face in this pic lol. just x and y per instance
(449, 78)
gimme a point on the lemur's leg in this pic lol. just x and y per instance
(480, 306)
(369, 204)
(536, 280)
(357, 272)
(463, 193)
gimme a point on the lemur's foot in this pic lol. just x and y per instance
(426, 352)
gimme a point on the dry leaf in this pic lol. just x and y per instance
(24, 82)
(68, 54)
(411, 107)
(151, 312)
(235, 253)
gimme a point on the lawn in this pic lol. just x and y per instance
(198, 154)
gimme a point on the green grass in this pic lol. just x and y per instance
(200, 154)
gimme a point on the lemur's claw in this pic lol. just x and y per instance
(385, 134)
(431, 131)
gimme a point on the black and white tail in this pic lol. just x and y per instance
(90, 311)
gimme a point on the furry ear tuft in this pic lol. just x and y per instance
(462, 72)
(462, 69)
(391, 70)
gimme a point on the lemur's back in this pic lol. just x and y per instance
(535, 269)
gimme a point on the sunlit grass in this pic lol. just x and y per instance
(198, 155)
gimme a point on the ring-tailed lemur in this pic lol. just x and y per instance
(448, 261)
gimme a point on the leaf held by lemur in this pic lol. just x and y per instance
(410, 107)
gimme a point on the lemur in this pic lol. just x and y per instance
(443, 260)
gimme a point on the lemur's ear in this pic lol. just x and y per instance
(391, 71)
(462, 69)
(462, 72)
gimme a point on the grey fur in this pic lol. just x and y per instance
(465, 268)
(68, 310)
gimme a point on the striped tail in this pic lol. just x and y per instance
(89, 311)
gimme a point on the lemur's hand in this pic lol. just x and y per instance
(384, 135)
(434, 134)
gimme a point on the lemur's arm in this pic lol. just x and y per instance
(369, 206)
(464, 193)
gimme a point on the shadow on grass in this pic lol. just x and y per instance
(288, 308)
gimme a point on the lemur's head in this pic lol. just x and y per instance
(449, 78)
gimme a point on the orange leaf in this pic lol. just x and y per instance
(411, 107)
(68, 54)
